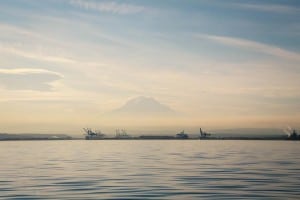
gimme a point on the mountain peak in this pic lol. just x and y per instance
(143, 105)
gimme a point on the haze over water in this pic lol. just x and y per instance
(152, 67)
(157, 169)
(69, 64)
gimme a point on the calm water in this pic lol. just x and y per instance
(150, 169)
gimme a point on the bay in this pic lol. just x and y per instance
(150, 169)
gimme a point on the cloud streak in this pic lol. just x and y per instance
(109, 7)
(35, 55)
(24, 71)
(274, 8)
(252, 45)
(28, 79)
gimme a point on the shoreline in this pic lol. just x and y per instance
(46, 139)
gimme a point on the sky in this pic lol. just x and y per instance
(68, 64)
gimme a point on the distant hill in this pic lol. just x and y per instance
(250, 132)
(143, 105)
(28, 136)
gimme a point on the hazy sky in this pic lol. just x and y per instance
(66, 64)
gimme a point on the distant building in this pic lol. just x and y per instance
(93, 135)
(122, 134)
(182, 135)
(294, 135)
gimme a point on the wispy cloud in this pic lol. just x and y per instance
(27, 44)
(110, 6)
(24, 71)
(28, 79)
(252, 45)
(275, 8)
(35, 55)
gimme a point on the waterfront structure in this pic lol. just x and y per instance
(122, 134)
(203, 134)
(182, 135)
(93, 135)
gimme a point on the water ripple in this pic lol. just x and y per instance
(149, 170)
